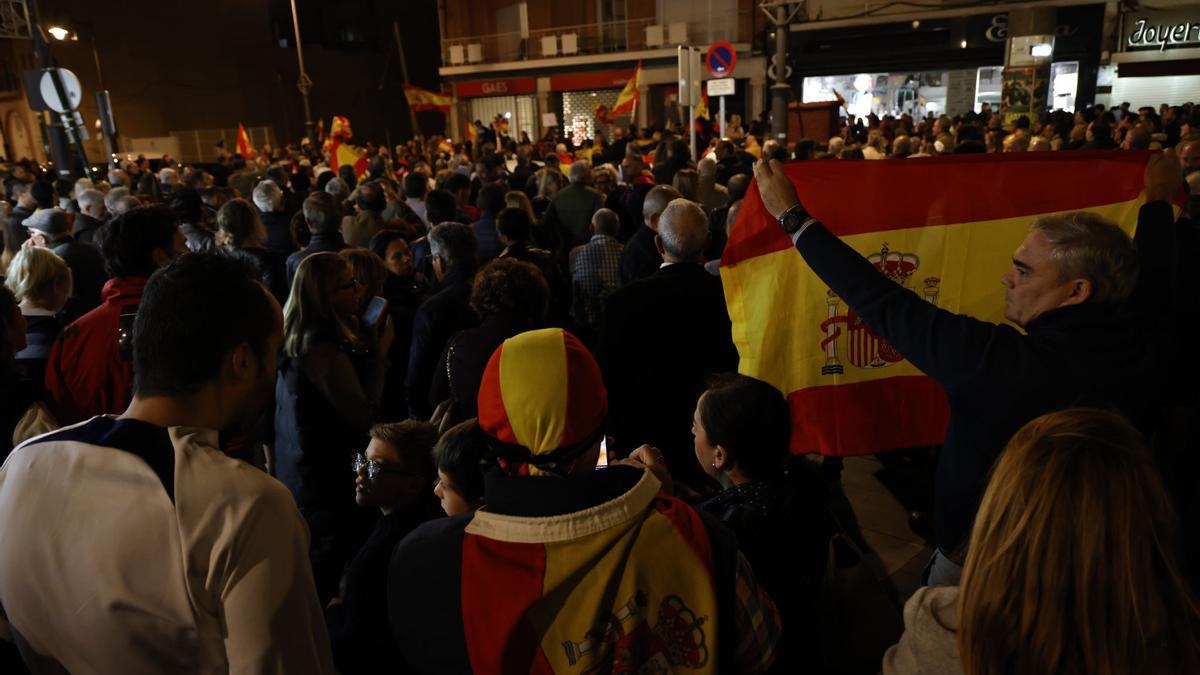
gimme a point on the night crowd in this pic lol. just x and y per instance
(475, 407)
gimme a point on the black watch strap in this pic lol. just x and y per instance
(793, 219)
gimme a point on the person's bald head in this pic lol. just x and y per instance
(656, 201)
(682, 232)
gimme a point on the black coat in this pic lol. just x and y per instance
(660, 340)
(87, 272)
(446, 312)
(279, 232)
(640, 257)
(84, 228)
(359, 632)
(473, 348)
(997, 378)
(320, 243)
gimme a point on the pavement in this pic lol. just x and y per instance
(880, 561)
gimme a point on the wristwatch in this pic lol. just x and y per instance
(794, 218)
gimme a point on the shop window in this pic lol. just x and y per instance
(988, 83)
(579, 116)
(1064, 85)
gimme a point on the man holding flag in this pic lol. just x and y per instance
(1084, 342)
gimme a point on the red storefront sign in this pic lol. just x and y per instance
(520, 85)
(606, 79)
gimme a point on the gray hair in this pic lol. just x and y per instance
(123, 205)
(114, 195)
(168, 175)
(89, 197)
(606, 221)
(319, 213)
(267, 196)
(338, 188)
(83, 184)
(118, 178)
(606, 169)
(656, 201)
(683, 230)
(454, 243)
(1089, 246)
(579, 172)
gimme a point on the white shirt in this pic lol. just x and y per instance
(130, 548)
(418, 205)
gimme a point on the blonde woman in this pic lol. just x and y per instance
(327, 398)
(41, 282)
(516, 199)
(1072, 568)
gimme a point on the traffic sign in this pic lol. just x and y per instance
(723, 87)
(721, 59)
(70, 88)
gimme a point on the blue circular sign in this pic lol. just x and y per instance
(721, 59)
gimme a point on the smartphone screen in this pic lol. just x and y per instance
(375, 311)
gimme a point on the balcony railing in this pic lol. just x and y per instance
(595, 38)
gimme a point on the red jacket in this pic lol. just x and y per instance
(86, 375)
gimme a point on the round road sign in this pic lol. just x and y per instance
(721, 59)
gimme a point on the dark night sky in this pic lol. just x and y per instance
(174, 65)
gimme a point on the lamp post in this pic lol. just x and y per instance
(103, 103)
(304, 84)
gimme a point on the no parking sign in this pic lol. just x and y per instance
(720, 59)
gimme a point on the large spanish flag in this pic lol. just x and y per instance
(945, 227)
(421, 100)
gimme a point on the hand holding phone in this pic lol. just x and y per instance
(375, 311)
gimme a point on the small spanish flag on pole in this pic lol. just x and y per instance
(471, 132)
(422, 100)
(628, 99)
(243, 143)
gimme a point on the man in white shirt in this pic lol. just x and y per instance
(416, 184)
(132, 544)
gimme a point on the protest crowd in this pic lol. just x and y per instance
(276, 414)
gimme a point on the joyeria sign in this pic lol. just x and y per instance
(1152, 31)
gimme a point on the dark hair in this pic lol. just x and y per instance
(346, 173)
(9, 309)
(440, 207)
(43, 193)
(148, 185)
(382, 239)
(1101, 130)
(515, 224)
(510, 287)
(456, 182)
(277, 175)
(460, 454)
(491, 198)
(371, 198)
(415, 185)
(413, 442)
(738, 184)
(193, 313)
(187, 205)
(128, 242)
(751, 420)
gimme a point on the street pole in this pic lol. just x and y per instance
(781, 17)
(59, 150)
(304, 84)
(722, 116)
(412, 115)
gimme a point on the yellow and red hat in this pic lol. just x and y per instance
(542, 400)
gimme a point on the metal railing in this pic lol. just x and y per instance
(595, 38)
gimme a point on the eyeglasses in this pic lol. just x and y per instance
(373, 468)
(349, 285)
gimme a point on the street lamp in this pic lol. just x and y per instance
(59, 33)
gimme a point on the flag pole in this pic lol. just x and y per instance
(412, 115)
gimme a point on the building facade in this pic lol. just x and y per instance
(542, 64)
